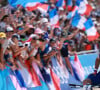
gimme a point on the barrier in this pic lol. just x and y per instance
(11, 81)
(87, 60)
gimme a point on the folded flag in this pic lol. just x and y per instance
(54, 19)
(16, 84)
(33, 74)
(26, 76)
(78, 21)
(78, 69)
(55, 80)
(91, 30)
(19, 78)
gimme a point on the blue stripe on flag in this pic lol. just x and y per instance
(14, 3)
(52, 13)
(76, 20)
(88, 24)
(20, 79)
(59, 3)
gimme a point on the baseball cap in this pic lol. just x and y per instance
(9, 29)
(44, 20)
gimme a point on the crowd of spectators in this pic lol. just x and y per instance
(29, 36)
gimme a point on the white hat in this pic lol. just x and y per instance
(44, 20)
(9, 29)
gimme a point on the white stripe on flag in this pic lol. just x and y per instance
(31, 4)
(81, 23)
(91, 31)
(54, 20)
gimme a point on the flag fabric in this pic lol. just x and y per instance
(29, 4)
(33, 74)
(16, 84)
(55, 79)
(85, 9)
(15, 81)
(47, 77)
(72, 13)
(78, 69)
(78, 21)
(5, 80)
(19, 78)
(43, 8)
(54, 18)
(91, 30)
(26, 76)
(61, 72)
(61, 3)
(69, 5)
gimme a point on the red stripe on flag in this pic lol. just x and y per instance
(92, 38)
(33, 74)
(55, 80)
(31, 8)
(88, 10)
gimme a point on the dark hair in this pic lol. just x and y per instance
(52, 40)
(5, 16)
(14, 36)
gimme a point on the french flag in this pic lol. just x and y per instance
(33, 74)
(78, 21)
(32, 6)
(84, 7)
(54, 18)
(91, 30)
(61, 3)
(29, 4)
(72, 13)
(15, 81)
(78, 69)
(69, 5)
(43, 8)
(55, 79)
(26, 76)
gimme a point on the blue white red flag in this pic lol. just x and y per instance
(78, 21)
(69, 4)
(61, 3)
(84, 7)
(54, 18)
(29, 4)
(91, 30)
(78, 69)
